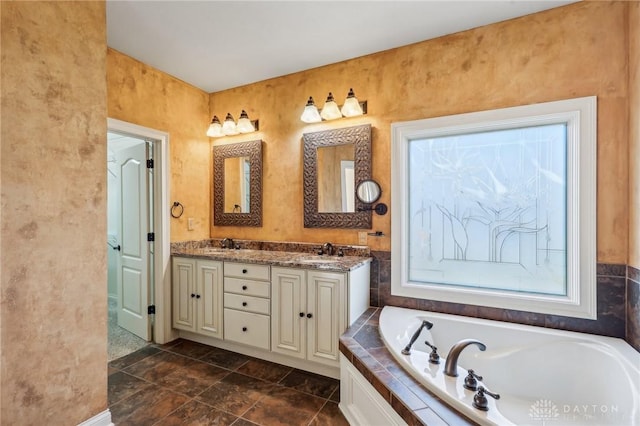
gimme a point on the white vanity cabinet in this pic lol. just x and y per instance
(312, 308)
(197, 296)
(247, 304)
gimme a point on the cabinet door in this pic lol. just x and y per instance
(326, 293)
(210, 302)
(288, 303)
(184, 291)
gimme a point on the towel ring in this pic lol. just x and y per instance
(176, 206)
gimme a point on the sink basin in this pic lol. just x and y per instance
(210, 250)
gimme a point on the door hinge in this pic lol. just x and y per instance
(151, 236)
(151, 309)
(150, 164)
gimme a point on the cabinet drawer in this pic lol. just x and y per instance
(246, 270)
(247, 303)
(247, 328)
(247, 287)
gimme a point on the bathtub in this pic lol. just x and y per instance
(544, 376)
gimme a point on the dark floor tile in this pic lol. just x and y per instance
(329, 415)
(284, 407)
(122, 385)
(265, 370)
(335, 396)
(157, 366)
(313, 384)
(195, 413)
(193, 379)
(133, 357)
(111, 370)
(243, 422)
(190, 349)
(224, 358)
(235, 393)
(146, 407)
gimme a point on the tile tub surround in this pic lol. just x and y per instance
(294, 259)
(362, 346)
(615, 303)
(633, 307)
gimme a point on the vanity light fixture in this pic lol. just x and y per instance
(229, 127)
(331, 111)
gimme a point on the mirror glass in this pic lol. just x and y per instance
(237, 184)
(368, 191)
(335, 162)
(336, 179)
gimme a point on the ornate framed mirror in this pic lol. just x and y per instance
(237, 184)
(335, 163)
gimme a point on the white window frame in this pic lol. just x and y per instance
(580, 115)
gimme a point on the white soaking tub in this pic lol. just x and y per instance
(543, 376)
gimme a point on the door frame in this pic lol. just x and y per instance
(162, 331)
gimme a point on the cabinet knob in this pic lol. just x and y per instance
(244, 328)
(244, 303)
(193, 295)
(197, 296)
(301, 314)
(244, 287)
(309, 315)
(244, 271)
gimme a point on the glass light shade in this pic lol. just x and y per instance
(244, 124)
(330, 110)
(310, 113)
(229, 126)
(215, 128)
(351, 107)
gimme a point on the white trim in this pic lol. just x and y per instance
(580, 114)
(162, 332)
(101, 419)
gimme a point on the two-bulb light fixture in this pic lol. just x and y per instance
(230, 127)
(330, 111)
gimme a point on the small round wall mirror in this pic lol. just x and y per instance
(368, 191)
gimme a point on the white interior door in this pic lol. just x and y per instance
(133, 265)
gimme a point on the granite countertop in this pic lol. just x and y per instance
(362, 345)
(276, 258)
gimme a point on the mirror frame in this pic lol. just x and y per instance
(253, 150)
(360, 137)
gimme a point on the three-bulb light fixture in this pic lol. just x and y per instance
(330, 110)
(230, 127)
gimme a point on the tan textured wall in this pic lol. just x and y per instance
(140, 94)
(577, 50)
(53, 184)
(634, 134)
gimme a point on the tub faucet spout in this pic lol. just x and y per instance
(451, 366)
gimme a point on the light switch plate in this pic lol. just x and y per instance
(362, 238)
(190, 224)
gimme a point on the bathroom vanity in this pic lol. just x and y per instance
(285, 307)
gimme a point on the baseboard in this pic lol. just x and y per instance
(101, 419)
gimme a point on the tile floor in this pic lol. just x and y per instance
(187, 383)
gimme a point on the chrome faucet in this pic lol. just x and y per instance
(451, 366)
(227, 243)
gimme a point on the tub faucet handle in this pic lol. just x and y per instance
(471, 381)
(434, 358)
(480, 401)
(407, 349)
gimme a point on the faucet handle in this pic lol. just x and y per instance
(480, 401)
(434, 358)
(471, 381)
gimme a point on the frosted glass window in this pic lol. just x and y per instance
(498, 208)
(488, 209)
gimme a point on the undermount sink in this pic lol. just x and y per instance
(317, 259)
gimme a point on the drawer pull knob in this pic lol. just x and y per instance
(301, 314)
(244, 271)
(197, 296)
(309, 316)
(244, 287)
(244, 328)
(244, 303)
(193, 295)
